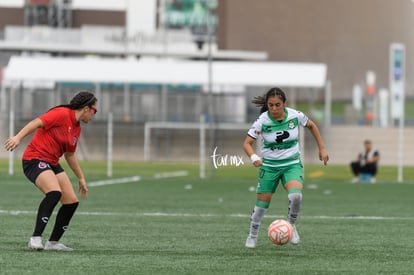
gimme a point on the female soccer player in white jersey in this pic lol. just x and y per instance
(280, 160)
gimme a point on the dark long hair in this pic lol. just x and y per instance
(80, 100)
(261, 101)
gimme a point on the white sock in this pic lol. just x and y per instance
(295, 203)
(256, 219)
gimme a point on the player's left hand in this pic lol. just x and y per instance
(83, 189)
(323, 156)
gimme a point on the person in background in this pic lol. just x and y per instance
(56, 134)
(280, 161)
(366, 163)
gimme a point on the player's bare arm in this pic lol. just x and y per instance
(12, 143)
(323, 154)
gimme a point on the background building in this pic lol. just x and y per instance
(349, 37)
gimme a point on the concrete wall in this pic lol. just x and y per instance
(345, 142)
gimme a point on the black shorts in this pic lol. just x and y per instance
(33, 168)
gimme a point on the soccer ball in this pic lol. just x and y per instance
(280, 232)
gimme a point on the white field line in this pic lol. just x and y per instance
(164, 175)
(114, 181)
(173, 174)
(191, 215)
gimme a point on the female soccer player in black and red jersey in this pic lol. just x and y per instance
(56, 134)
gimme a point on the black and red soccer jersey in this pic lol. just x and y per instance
(59, 134)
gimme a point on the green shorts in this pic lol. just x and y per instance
(269, 177)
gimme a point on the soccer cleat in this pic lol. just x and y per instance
(57, 246)
(355, 180)
(35, 243)
(251, 241)
(373, 180)
(295, 236)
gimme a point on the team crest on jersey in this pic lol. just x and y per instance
(291, 124)
(74, 140)
(43, 165)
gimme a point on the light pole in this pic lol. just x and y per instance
(210, 99)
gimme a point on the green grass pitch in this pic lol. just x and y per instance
(186, 225)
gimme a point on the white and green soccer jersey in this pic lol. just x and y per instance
(280, 138)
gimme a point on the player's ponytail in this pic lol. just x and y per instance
(82, 99)
(260, 101)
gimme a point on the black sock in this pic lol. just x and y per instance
(45, 210)
(63, 218)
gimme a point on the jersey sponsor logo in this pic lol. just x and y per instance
(43, 165)
(255, 131)
(281, 135)
(267, 128)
